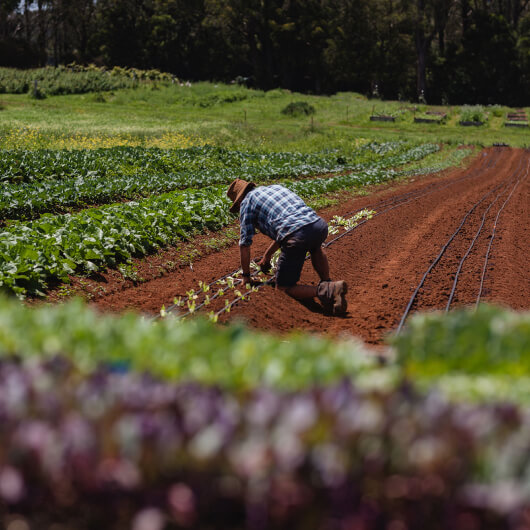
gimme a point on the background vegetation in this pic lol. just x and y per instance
(440, 51)
(165, 114)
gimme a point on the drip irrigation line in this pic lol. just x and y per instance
(213, 297)
(419, 196)
(229, 306)
(490, 162)
(460, 265)
(441, 253)
(233, 273)
(493, 237)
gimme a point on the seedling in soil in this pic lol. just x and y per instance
(204, 287)
(350, 222)
(178, 301)
(232, 282)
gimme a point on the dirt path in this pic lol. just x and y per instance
(384, 260)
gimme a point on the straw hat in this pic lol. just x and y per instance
(237, 191)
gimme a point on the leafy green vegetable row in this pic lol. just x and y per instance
(237, 358)
(232, 357)
(373, 175)
(27, 200)
(488, 341)
(52, 247)
(45, 164)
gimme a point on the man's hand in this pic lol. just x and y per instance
(265, 264)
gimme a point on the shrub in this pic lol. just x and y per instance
(473, 113)
(36, 93)
(98, 97)
(496, 110)
(298, 108)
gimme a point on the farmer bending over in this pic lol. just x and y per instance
(293, 227)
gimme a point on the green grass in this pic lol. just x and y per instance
(227, 115)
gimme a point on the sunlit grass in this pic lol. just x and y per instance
(227, 115)
(34, 138)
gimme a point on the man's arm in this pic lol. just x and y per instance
(265, 261)
(244, 251)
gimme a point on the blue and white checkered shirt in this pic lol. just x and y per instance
(276, 211)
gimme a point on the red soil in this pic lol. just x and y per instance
(384, 260)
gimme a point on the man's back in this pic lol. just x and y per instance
(276, 211)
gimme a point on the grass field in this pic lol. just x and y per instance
(179, 116)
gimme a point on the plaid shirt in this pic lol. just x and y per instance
(276, 211)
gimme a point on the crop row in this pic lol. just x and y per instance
(158, 175)
(229, 356)
(204, 456)
(375, 174)
(97, 176)
(236, 358)
(52, 247)
(44, 164)
(485, 342)
(74, 79)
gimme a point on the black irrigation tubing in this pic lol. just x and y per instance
(442, 251)
(328, 243)
(213, 297)
(490, 162)
(413, 198)
(493, 237)
(229, 306)
(416, 195)
(461, 264)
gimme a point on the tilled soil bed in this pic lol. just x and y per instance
(385, 259)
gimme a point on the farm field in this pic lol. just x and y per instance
(173, 396)
(384, 259)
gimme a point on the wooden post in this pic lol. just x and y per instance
(35, 88)
(312, 124)
(347, 112)
(245, 111)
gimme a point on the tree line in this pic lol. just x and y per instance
(440, 51)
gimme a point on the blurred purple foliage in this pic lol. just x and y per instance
(124, 450)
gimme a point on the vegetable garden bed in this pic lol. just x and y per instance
(516, 124)
(382, 118)
(53, 246)
(427, 120)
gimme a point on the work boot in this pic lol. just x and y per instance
(332, 296)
